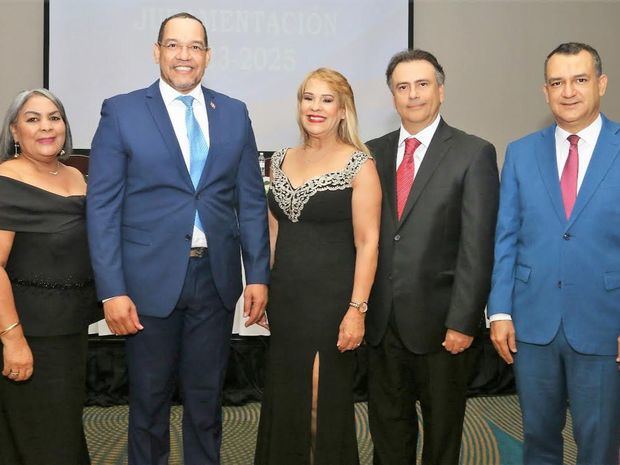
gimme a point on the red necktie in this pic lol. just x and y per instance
(568, 181)
(404, 174)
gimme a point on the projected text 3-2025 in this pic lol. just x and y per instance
(254, 58)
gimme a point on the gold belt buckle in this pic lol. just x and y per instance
(197, 252)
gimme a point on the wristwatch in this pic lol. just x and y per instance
(361, 307)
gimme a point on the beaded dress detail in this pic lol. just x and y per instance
(292, 200)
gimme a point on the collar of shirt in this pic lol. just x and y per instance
(424, 136)
(170, 94)
(587, 141)
(176, 111)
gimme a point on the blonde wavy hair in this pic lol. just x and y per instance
(347, 128)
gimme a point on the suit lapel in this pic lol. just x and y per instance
(548, 168)
(157, 107)
(387, 169)
(605, 153)
(215, 130)
(440, 144)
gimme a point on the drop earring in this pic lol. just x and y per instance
(16, 145)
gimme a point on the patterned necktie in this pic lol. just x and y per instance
(568, 181)
(198, 147)
(405, 174)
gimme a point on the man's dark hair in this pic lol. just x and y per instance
(183, 14)
(414, 55)
(573, 48)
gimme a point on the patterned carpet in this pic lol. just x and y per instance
(492, 434)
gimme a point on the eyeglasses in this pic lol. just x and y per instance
(194, 49)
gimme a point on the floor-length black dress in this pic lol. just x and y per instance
(51, 279)
(311, 284)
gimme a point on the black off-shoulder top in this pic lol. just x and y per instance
(49, 265)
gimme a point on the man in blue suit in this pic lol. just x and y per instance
(175, 199)
(555, 298)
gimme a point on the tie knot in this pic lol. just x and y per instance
(411, 144)
(188, 100)
(573, 139)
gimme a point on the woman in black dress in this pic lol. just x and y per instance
(324, 205)
(47, 296)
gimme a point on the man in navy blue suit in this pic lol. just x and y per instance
(175, 200)
(555, 299)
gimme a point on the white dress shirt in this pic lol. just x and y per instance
(424, 136)
(176, 110)
(585, 146)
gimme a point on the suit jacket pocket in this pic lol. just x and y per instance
(136, 236)
(612, 280)
(522, 273)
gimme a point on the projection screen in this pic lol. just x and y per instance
(260, 53)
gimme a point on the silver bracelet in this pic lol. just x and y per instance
(9, 328)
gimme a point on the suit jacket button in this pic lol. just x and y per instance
(390, 276)
(559, 284)
(566, 236)
(188, 237)
(397, 237)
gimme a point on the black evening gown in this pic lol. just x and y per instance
(50, 274)
(311, 284)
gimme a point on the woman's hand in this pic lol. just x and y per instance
(17, 356)
(351, 330)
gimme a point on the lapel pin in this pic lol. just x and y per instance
(212, 105)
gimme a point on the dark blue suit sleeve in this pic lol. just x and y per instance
(106, 188)
(252, 213)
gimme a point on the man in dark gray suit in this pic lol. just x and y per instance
(440, 198)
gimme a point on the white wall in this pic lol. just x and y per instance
(493, 52)
(21, 48)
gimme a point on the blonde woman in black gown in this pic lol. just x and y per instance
(47, 295)
(324, 205)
